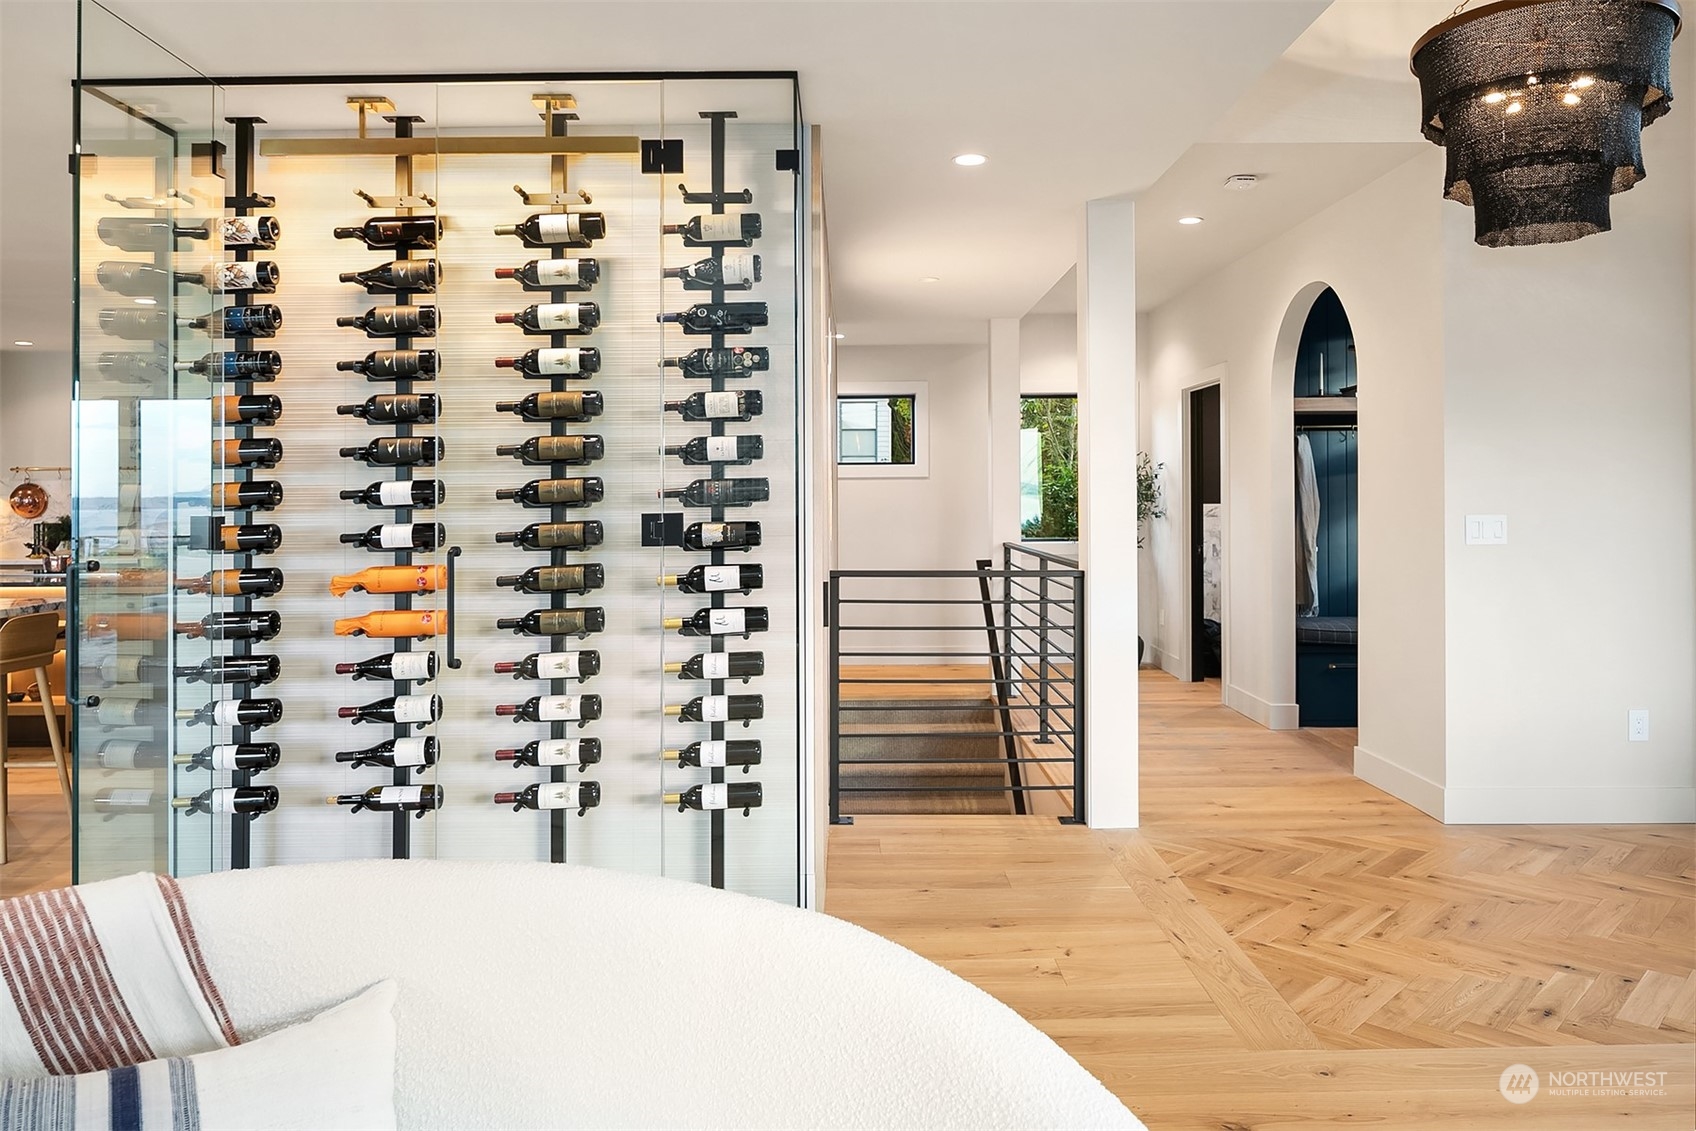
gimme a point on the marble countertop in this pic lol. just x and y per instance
(17, 601)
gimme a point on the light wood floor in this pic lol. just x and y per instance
(1282, 945)
(38, 839)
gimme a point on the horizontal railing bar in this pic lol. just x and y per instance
(1054, 582)
(986, 680)
(950, 734)
(916, 705)
(837, 574)
(1053, 655)
(951, 789)
(1045, 555)
(910, 627)
(939, 762)
(943, 601)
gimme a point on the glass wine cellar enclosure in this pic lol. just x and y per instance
(438, 470)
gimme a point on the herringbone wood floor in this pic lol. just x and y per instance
(1283, 945)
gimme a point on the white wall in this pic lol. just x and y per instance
(1048, 354)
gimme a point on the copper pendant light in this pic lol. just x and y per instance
(1541, 104)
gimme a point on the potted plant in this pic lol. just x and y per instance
(1149, 506)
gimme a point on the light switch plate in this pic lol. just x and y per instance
(1486, 530)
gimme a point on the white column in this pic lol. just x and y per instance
(1107, 510)
(1003, 434)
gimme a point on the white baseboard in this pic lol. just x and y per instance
(1642, 805)
(1399, 782)
(1272, 716)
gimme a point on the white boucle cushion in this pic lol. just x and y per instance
(331, 1073)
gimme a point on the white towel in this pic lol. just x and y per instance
(1307, 530)
(103, 976)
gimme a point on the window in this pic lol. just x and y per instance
(875, 430)
(1048, 467)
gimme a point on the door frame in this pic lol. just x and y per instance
(1188, 627)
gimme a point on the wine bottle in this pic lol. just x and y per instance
(134, 325)
(261, 321)
(232, 669)
(130, 626)
(718, 449)
(251, 538)
(717, 579)
(399, 451)
(718, 754)
(144, 233)
(719, 795)
(259, 276)
(394, 408)
(259, 232)
(554, 535)
(557, 622)
(558, 229)
(718, 406)
(721, 536)
(235, 583)
(252, 452)
(721, 622)
(585, 752)
(235, 713)
(240, 801)
(420, 275)
(248, 757)
(114, 802)
(581, 796)
(731, 361)
(552, 708)
(114, 670)
(414, 667)
(253, 365)
(419, 710)
(733, 272)
(129, 755)
(554, 274)
(251, 409)
(556, 449)
(254, 494)
(394, 365)
(390, 579)
(392, 624)
(117, 712)
(416, 799)
(132, 368)
(554, 318)
(393, 231)
(719, 709)
(720, 665)
(721, 493)
(719, 318)
(420, 493)
(416, 754)
(394, 321)
(579, 665)
(738, 229)
(556, 579)
(549, 492)
(575, 407)
(567, 361)
(422, 537)
(233, 626)
(132, 279)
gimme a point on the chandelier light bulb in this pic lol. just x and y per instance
(1571, 99)
(1581, 83)
(1514, 108)
(1494, 97)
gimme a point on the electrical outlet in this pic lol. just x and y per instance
(1637, 724)
(1163, 617)
(1486, 530)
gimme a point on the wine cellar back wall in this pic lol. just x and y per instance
(631, 828)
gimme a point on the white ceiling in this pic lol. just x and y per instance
(1071, 101)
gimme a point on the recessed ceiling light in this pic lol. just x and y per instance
(930, 279)
(21, 342)
(147, 302)
(839, 337)
(970, 159)
(1191, 220)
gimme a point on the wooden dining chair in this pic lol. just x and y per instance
(28, 642)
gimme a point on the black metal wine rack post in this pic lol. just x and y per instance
(555, 117)
(242, 203)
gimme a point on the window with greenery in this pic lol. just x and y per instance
(877, 430)
(1048, 467)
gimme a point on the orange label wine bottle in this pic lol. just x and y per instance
(392, 579)
(395, 623)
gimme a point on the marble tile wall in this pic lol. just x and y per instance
(16, 532)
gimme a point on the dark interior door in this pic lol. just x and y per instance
(1205, 489)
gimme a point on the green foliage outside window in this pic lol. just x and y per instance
(1055, 421)
(901, 429)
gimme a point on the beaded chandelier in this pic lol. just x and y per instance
(1541, 104)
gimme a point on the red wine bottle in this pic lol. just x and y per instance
(144, 233)
(235, 583)
(394, 408)
(123, 754)
(135, 325)
(253, 452)
(262, 321)
(583, 752)
(554, 318)
(723, 795)
(416, 667)
(579, 709)
(253, 275)
(259, 232)
(131, 279)
(720, 665)
(416, 754)
(738, 229)
(721, 493)
(574, 407)
(558, 229)
(394, 321)
(581, 796)
(554, 274)
(393, 231)
(557, 622)
(133, 368)
(554, 535)
(233, 626)
(719, 317)
(250, 538)
(252, 408)
(420, 493)
(394, 365)
(232, 669)
(556, 449)
(238, 757)
(416, 799)
(255, 365)
(721, 622)
(399, 451)
(721, 536)
(717, 754)
(731, 361)
(737, 271)
(235, 713)
(240, 801)
(720, 709)
(567, 361)
(252, 494)
(419, 710)
(419, 275)
(718, 449)
(422, 537)
(551, 492)
(743, 405)
(579, 665)
(556, 579)
(717, 579)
